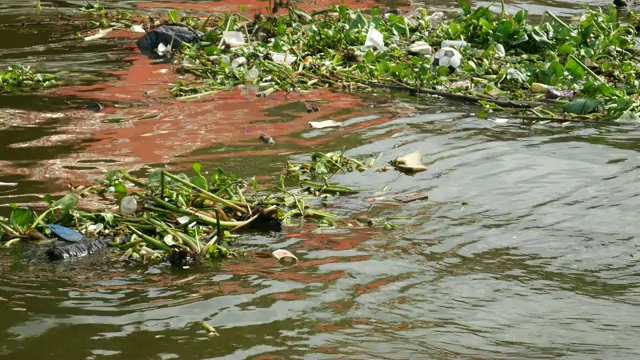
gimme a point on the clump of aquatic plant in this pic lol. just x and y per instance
(185, 218)
(100, 17)
(20, 78)
(588, 65)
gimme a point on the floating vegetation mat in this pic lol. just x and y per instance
(19, 78)
(180, 218)
(584, 68)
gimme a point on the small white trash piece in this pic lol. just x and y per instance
(234, 38)
(285, 257)
(237, 62)
(280, 58)
(137, 29)
(128, 205)
(252, 75)
(453, 43)
(374, 38)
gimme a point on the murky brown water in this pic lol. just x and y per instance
(540, 263)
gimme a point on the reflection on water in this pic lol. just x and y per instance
(526, 249)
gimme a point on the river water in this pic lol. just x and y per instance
(526, 249)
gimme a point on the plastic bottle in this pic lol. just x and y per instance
(453, 43)
(540, 88)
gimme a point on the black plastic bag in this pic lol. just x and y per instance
(164, 34)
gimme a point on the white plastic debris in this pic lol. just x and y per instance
(234, 38)
(128, 205)
(285, 257)
(95, 228)
(374, 38)
(183, 219)
(420, 47)
(252, 75)
(500, 50)
(237, 62)
(324, 124)
(453, 43)
(163, 49)
(280, 58)
(410, 163)
(137, 29)
(101, 33)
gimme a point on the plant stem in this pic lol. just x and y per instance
(205, 193)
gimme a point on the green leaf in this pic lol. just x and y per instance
(68, 202)
(197, 167)
(383, 67)
(173, 16)
(277, 46)
(48, 199)
(466, 8)
(21, 217)
(565, 49)
(442, 70)
(200, 182)
(321, 168)
(369, 57)
(574, 69)
(582, 106)
(120, 191)
(628, 117)
(521, 16)
(282, 29)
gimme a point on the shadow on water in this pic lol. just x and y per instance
(526, 249)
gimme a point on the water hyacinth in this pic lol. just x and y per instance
(183, 219)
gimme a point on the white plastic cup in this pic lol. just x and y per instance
(237, 62)
(251, 75)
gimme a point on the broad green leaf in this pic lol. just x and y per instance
(282, 30)
(200, 182)
(582, 106)
(369, 57)
(120, 191)
(628, 117)
(197, 167)
(173, 16)
(442, 70)
(574, 69)
(48, 199)
(67, 202)
(21, 217)
(466, 8)
(521, 16)
(565, 49)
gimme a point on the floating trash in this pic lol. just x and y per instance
(409, 163)
(267, 139)
(374, 38)
(285, 257)
(65, 233)
(129, 205)
(324, 124)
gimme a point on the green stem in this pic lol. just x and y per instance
(205, 193)
(594, 75)
(204, 218)
(190, 243)
(149, 240)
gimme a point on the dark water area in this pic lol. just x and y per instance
(527, 247)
